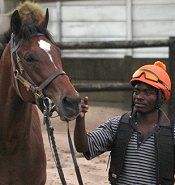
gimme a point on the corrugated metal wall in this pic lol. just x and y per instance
(4, 20)
(101, 20)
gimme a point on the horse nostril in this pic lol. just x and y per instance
(67, 101)
(70, 107)
(70, 102)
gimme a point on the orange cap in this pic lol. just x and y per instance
(159, 69)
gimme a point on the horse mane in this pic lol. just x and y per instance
(26, 33)
(29, 30)
(29, 12)
(4, 39)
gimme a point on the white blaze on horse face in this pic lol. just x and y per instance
(47, 48)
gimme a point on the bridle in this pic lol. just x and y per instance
(44, 104)
(29, 84)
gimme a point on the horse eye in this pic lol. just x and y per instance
(28, 58)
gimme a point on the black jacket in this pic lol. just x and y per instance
(164, 147)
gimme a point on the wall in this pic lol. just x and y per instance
(101, 20)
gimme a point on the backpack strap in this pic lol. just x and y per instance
(119, 147)
(164, 143)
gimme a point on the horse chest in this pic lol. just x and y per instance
(18, 168)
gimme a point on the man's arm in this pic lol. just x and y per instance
(80, 134)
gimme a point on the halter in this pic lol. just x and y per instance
(29, 84)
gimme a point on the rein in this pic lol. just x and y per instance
(50, 131)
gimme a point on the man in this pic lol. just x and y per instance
(142, 140)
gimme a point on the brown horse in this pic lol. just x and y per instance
(30, 69)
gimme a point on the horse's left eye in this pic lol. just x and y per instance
(28, 58)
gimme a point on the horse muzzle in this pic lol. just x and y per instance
(69, 108)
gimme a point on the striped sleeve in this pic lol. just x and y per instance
(101, 139)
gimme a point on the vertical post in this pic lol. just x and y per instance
(2, 6)
(171, 104)
(128, 60)
(59, 20)
(129, 29)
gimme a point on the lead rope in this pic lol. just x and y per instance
(51, 139)
(77, 170)
(53, 146)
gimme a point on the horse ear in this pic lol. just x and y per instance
(44, 22)
(15, 23)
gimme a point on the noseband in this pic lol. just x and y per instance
(28, 83)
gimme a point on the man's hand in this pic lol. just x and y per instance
(84, 107)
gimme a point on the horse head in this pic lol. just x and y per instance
(38, 70)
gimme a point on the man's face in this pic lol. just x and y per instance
(144, 97)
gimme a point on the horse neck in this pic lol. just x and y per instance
(15, 114)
